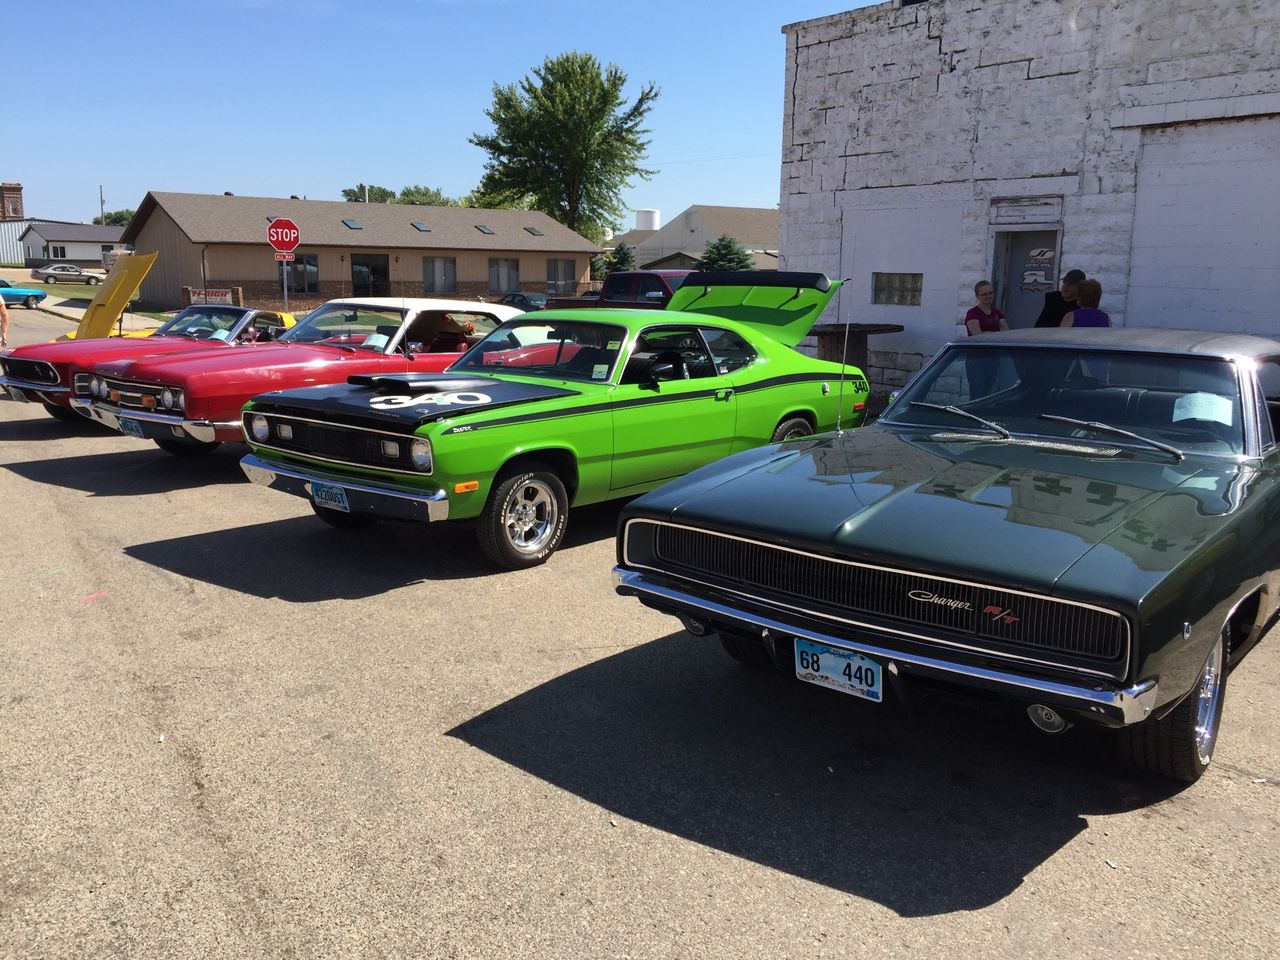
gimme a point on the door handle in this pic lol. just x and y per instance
(724, 394)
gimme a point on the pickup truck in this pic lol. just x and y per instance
(650, 289)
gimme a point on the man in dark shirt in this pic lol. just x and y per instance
(1058, 304)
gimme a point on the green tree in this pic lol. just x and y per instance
(566, 139)
(115, 218)
(376, 194)
(726, 253)
(622, 258)
(425, 197)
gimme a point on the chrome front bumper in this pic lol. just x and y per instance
(362, 498)
(26, 386)
(1107, 706)
(155, 426)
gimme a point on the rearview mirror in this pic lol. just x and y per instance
(658, 372)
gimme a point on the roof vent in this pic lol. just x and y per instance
(421, 227)
(294, 196)
(227, 193)
(534, 231)
(352, 224)
(483, 229)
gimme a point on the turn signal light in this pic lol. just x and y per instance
(149, 403)
(114, 395)
(467, 487)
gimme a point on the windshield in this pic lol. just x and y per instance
(1191, 403)
(203, 322)
(348, 325)
(564, 349)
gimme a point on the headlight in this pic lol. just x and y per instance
(95, 387)
(420, 454)
(166, 397)
(261, 429)
(178, 400)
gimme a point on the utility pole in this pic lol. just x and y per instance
(102, 207)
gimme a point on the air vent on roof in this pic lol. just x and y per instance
(227, 193)
(483, 229)
(535, 231)
(352, 224)
(421, 227)
(294, 196)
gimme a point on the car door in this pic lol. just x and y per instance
(665, 428)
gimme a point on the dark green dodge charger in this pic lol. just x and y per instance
(1085, 523)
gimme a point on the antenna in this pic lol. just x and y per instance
(844, 355)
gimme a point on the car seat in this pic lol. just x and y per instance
(447, 342)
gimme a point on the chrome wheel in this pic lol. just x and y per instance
(530, 516)
(1208, 708)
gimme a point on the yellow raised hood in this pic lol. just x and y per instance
(114, 295)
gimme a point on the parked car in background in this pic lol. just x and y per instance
(647, 289)
(1077, 523)
(191, 403)
(563, 408)
(29, 297)
(525, 301)
(57, 373)
(65, 273)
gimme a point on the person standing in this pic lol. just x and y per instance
(1087, 314)
(1058, 303)
(984, 318)
(4, 324)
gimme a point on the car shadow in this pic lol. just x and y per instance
(134, 472)
(924, 811)
(44, 427)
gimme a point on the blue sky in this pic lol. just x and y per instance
(276, 97)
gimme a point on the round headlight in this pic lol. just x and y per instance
(166, 397)
(95, 387)
(261, 429)
(420, 454)
(178, 400)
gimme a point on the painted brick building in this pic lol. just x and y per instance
(927, 146)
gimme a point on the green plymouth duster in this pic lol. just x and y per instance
(1080, 524)
(559, 408)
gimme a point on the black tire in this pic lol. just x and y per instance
(62, 413)
(30, 302)
(1179, 745)
(343, 521)
(91, 281)
(749, 651)
(187, 448)
(792, 428)
(50, 279)
(524, 520)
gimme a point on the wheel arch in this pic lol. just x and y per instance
(560, 459)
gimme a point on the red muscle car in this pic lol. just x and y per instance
(189, 403)
(55, 373)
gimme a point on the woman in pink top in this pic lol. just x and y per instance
(984, 318)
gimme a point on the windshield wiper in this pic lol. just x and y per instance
(1119, 431)
(959, 412)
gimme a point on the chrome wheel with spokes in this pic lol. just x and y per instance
(524, 519)
(1209, 704)
(530, 516)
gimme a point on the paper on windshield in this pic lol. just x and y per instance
(1202, 406)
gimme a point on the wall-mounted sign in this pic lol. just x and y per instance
(212, 295)
(1038, 270)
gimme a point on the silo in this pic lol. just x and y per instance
(648, 219)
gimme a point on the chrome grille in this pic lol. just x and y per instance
(80, 384)
(139, 396)
(1000, 617)
(31, 371)
(337, 443)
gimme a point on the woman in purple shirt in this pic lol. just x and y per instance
(984, 318)
(1087, 314)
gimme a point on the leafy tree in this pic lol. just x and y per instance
(599, 267)
(726, 253)
(115, 218)
(622, 258)
(376, 194)
(425, 197)
(484, 201)
(566, 139)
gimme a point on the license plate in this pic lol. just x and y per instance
(335, 498)
(17, 394)
(132, 427)
(838, 669)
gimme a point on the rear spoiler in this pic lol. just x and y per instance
(758, 278)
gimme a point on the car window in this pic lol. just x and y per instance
(616, 287)
(682, 347)
(569, 349)
(1269, 414)
(1190, 402)
(648, 285)
(729, 351)
(348, 325)
(203, 322)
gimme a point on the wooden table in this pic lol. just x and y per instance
(831, 337)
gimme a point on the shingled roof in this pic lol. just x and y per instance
(59, 232)
(207, 218)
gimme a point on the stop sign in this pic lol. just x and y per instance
(283, 235)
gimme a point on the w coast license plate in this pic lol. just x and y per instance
(335, 498)
(841, 670)
(132, 427)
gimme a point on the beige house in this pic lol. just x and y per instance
(680, 243)
(219, 243)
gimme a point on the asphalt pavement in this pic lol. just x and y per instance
(230, 731)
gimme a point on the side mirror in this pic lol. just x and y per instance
(658, 372)
(269, 332)
(655, 295)
(412, 347)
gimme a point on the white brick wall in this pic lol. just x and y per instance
(955, 103)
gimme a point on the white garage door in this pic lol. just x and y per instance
(1206, 238)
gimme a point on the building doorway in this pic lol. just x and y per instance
(1025, 268)
(370, 275)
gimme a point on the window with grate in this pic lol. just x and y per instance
(899, 289)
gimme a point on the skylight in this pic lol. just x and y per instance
(352, 224)
(483, 229)
(535, 231)
(421, 227)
